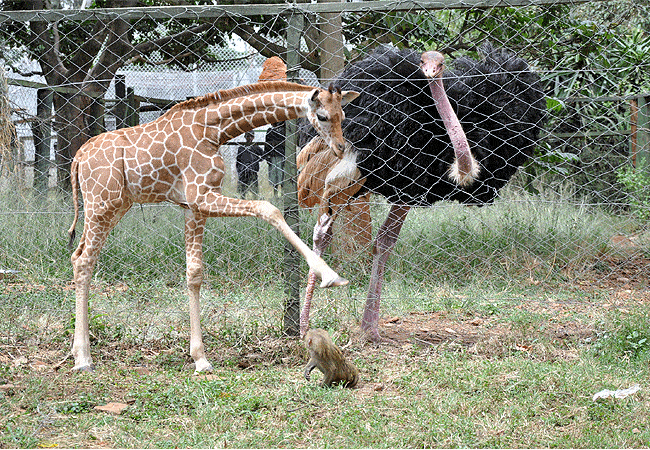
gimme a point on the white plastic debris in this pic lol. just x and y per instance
(620, 393)
(8, 273)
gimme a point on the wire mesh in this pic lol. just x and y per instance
(574, 211)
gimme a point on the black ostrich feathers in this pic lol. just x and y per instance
(403, 148)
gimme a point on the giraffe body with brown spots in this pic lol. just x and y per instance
(176, 159)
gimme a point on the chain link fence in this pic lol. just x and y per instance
(574, 213)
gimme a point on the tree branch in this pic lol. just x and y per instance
(54, 70)
(111, 58)
(85, 55)
(267, 48)
(149, 46)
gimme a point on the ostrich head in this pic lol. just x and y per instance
(465, 169)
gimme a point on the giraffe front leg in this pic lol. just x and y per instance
(329, 278)
(194, 227)
(213, 204)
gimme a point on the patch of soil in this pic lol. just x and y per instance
(485, 336)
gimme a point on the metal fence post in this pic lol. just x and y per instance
(289, 187)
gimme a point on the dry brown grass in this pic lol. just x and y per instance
(7, 130)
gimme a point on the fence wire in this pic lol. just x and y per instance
(573, 211)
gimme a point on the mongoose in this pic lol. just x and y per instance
(329, 359)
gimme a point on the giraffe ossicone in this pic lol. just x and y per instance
(176, 158)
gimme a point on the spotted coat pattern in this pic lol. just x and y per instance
(176, 159)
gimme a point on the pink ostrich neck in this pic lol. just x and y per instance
(453, 127)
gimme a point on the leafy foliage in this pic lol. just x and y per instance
(637, 183)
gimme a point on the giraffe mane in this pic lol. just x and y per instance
(241, 91)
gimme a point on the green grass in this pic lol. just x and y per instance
(421, 398)
(505, 319)
(529, 388)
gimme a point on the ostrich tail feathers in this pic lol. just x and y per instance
(464, 179)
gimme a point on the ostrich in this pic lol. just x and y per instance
(404, 143)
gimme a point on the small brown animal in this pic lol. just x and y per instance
(329, 359)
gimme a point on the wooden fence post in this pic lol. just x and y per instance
(42, 134)
(332, 58)
(643, 133)
(292, 272)
(120, 108)
(96, 110)
(8, 157)
(132, 115)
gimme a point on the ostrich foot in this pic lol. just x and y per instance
(322, 238)
(373, 336)
(323, 232)
(371, 332)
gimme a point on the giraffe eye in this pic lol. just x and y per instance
(321, 117)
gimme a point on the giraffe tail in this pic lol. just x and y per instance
(75, 200)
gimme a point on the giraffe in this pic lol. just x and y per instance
(176, 159)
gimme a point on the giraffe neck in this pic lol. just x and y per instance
(236, 117)
(226, 114)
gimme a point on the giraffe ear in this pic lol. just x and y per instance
(348, 96)
(314, 97)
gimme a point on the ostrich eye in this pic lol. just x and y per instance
(321, 117)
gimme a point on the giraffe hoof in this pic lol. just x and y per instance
(203, 366)
(84, 368)
(332, 282)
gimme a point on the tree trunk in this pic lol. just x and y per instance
(332, 58)
(72, 132)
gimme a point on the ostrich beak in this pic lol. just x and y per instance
(432, 64)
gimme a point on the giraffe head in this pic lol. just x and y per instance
(325, 113)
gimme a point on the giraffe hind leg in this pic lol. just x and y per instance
(96, 230)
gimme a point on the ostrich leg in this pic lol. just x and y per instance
(358, 224)
(336, 186)
(384, 244)
(322, 238)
